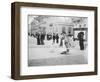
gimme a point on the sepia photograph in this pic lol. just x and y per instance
(57, 40)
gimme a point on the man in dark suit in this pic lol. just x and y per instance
(57, 38)
(81, 40)
(42, 38)
(54, 37)
(38, 38)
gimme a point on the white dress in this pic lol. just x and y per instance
(66, 41)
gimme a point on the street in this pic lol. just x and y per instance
(50, 54)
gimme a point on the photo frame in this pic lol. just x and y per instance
(37, 33)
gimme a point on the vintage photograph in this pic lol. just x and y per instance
(57, 40)
(53, 40)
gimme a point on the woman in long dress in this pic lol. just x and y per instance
(67, 44)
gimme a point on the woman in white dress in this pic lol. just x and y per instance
(67, 44)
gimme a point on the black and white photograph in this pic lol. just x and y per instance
(57, 40)
(53, 40)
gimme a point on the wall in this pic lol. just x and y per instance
(5, 40)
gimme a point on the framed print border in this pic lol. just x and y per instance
(15, 40)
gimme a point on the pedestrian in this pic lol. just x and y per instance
(57, 38)
(81, 40)
(66, 39)
(54, 37)
(42, 38)
(61, 39)
(38, 38)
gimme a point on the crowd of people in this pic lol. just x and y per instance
(60, 39)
